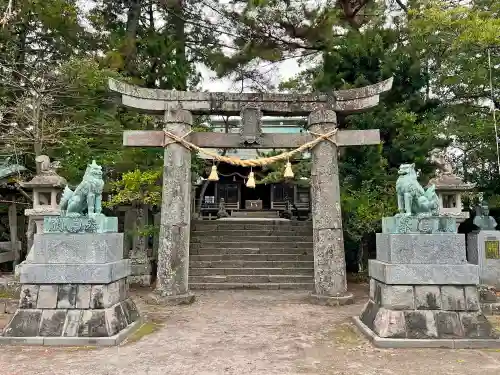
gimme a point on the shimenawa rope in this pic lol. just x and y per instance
(251, 162)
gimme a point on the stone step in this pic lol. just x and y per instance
(300, 286)
(249, 264)
(255, 225)
(251, 279)
(268, 232)
(251, 245)
(250, 250)
(256, 214)
(243, 237)
(254, 257)
(251, 271)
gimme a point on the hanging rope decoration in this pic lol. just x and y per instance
(288, 173)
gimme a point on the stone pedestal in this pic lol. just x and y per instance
(423, 293)
(74, 287)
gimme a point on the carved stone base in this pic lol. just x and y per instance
(72, 311)
(323, 300)
(426, 312)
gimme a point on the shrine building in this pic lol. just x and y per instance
(264, 200)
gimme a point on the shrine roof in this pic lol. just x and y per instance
(48, 180)
(450, 181)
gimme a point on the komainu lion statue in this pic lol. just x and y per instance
(413, 199)
(87, 196)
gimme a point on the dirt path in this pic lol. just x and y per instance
(248, 332)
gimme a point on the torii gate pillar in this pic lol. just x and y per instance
(173, 250)
(329, 257)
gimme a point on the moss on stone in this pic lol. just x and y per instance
(145, 329)
(5, 293)
(345, 334)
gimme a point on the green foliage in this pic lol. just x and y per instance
(143, 187)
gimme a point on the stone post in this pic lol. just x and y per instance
(329, 258)
(173, 250)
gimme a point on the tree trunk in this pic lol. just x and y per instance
(176, 9)
(128, 50)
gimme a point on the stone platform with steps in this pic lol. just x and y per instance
(251, 254)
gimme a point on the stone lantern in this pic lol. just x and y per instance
(46, 186)
(449, 189)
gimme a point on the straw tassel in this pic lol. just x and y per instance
(213, 174)
(288, 170)
(251, 181)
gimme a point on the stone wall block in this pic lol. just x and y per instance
(93, 324)
(83, 296)
(47, 296)
(427, 297)
(115, 318)
(111, 294)
(390, 323)
(398, 297)
(369, 313)
(28, 297)
(476, 325)
(97, 297)
(471, 298)
(24, 323)
(448, 325)
(130, 310)
(453, 298)
(72, 323)
(420, 324)
(66, 298)
(52, 323)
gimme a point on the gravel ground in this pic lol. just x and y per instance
(248, 332)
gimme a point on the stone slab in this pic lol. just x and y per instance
(423, 274)
(67, 248)
(417, 224)
(157, 299)
(437, 248)
(74, 273)
(80, 224)
(74, 341)
(395, 343)
(483, 249)
(323, 300)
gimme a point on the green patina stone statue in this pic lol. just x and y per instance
(413, 199)
(483, 220)
(87, 197)
(81, 209)
(418, 207)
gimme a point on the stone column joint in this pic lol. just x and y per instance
(323, 117)
(178, 116)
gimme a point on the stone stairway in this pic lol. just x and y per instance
(251, 254)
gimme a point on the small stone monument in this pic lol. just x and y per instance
(46, 186)
(423, 293)
(483, 249)
(74, 287)
(449, 189)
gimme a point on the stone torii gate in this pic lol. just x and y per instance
(177, 108)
